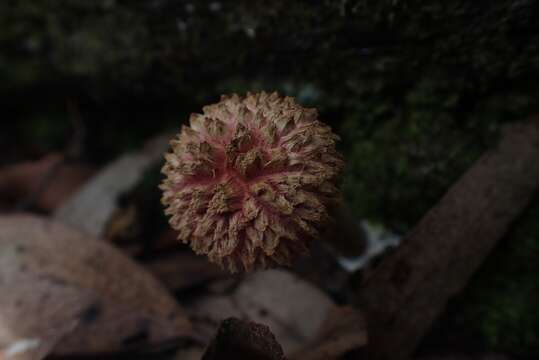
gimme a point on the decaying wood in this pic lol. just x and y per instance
(411, 287)
(92, 207)
(65, 292)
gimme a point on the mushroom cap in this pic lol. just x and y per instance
(249, 182)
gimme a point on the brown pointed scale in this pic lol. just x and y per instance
(248, 183)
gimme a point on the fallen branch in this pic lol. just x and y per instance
(410, 288)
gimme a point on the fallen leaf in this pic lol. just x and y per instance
(50, 179)
(75, 294)
(23, 337)
(93, 206)
(344, 330)
(246, 340)
(121, 223)
(291, 307)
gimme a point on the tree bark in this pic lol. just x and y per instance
(410, 288)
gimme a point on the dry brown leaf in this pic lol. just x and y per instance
(28, 178)
(344, 330)
(92, 207)
(72, 293)
(59, 308)
(245, 340)
(291, 307)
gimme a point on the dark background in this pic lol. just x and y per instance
(416, 89)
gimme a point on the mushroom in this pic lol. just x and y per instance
(249, 182)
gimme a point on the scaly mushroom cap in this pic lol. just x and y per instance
(249, 182)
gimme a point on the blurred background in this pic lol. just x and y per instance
(417, 91)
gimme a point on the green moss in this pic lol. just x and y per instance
(500, 303)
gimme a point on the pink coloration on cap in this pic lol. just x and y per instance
(249, 181)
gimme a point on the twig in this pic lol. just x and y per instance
(410, 288)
